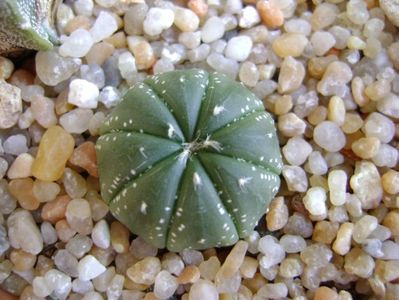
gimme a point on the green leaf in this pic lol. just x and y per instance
(122, 156)
(200, 220)
(139, 105)
(183, 92)
(146, 204)
(226, 100)
(246, 189)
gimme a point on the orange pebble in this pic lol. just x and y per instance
(325, 293)
(190, 274)
(271, 15)
(84, 156)
(54, 211)
(199, 7)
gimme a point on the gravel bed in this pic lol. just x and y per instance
(328, 73)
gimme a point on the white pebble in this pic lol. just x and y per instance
(273, 252)
(77, 120)
(329, 136)
(212, 30)
(387, 156)
(317, 164)
(248, 17)
(315, 201)
(295, 178)
(165, 285)
(21, 166)
(296, 151)
(15, 144)
(379, 126)
(104, 26)
(101, 235)
(127, 66)
(157, 20)
(186, 20)
(109, 96)
(40, 287)
(83, 93)
(89, 267)
(203, 289)
(239, 48)
(83, 7)
(190, 40)
(78, 44)
(337, 181)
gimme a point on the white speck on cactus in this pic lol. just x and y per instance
(196, 180)
(242, 182)
(143, 208)
(218, 109)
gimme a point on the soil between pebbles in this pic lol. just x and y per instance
(326, 70)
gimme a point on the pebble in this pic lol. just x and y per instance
(239, 48)
(6, 68)
(329, 136)
(192, 257)
(379, 126)
(390, 182)
(142, 51)
(92, 296)
(277, 216)
(248, 17)
(336, 76)
(291, 125)
(78, 215)
(3, 167)
(94, 74)
(134, 17)
(157, 20)
(366, 184)
(54, 210)
(337, 181)
(249, 74)
(145, 271)
(22, 190)
(49, 233)
(366, 147)
(315, 201)
(336, 110)
(359, 263)
(172, 263)
(89, 267)
(109, 96)
(40, 287)
(296, 151)
(99, 53)
(291, 267)
(42, 109)
(76, 121)
(114, 290)
(273, 252)
(390, 8)
(186, 20)
(21, 166)
(83, 93)
(342, 243)
(79, 245)
(119, 237)
(295, 178)
(233, 261)
(292, 243)
(77, 45)
(15, 144)
(81, 287)
(141, 249)
(74, 183)
(52, 68)
(273, 291)
(290, 44)
(20, 225)
(209, 268)
(59, 282)
(55, 147)
(203, 289)
(102, 281)
(292, 73)
(10, 104)
(64, 230)
(104, 26)
(101, 235)
(99, 208)
(270, 13)
(363, 228)
(84, 156)
(23, 261)
(317, 164)
(223, 65)
(391, 220)
(212, 30)
(165, 285)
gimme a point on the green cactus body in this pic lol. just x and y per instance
(189, 160)
(27, 24)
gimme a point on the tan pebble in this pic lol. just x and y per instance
(277, 216)
(318, 115)
(54, 211)
(233, 261)
(142, 52)
(318, 65)
(358, 92)
(150, 296)
(23, 261)
(378, 89)
(84, 156)
(391, 221)
(21, 167)
(209, 268)
(190, 274)
(6, 68)
(270, 13)
(99, 53)
(43, 265)
(118, 40)
(353, 122)
(77, 22)
(390, 182)
(292, 73)
(336, 110)
(325, 232)
(342, 243)
(64, 231)
(62, 105)
(21, 189)
(145, 271)
(249, 267)
(245, 293)
(119, 237)
(55, 148)
(45, 191)
(290, 44)
(391, 270)
(255, 283)
(325, 293)
(283, 105)
(366, 147)
(199, 7)
(358, 263)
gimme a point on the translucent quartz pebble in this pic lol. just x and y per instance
(53, 68)
(157, 20)
(89, 267)
(55, 147)
(104, 26)
(78, 215)
(20, 225)
(79, 245)
(83, 93)
(203, 289)
(77, 120)
(77, 44)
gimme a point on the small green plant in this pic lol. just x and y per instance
(189, 160)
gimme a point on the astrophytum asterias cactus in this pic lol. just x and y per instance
(27, 24)
(189, 160)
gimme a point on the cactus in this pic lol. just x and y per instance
(189, 160)
(27, 24)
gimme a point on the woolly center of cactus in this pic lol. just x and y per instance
(198, 144)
